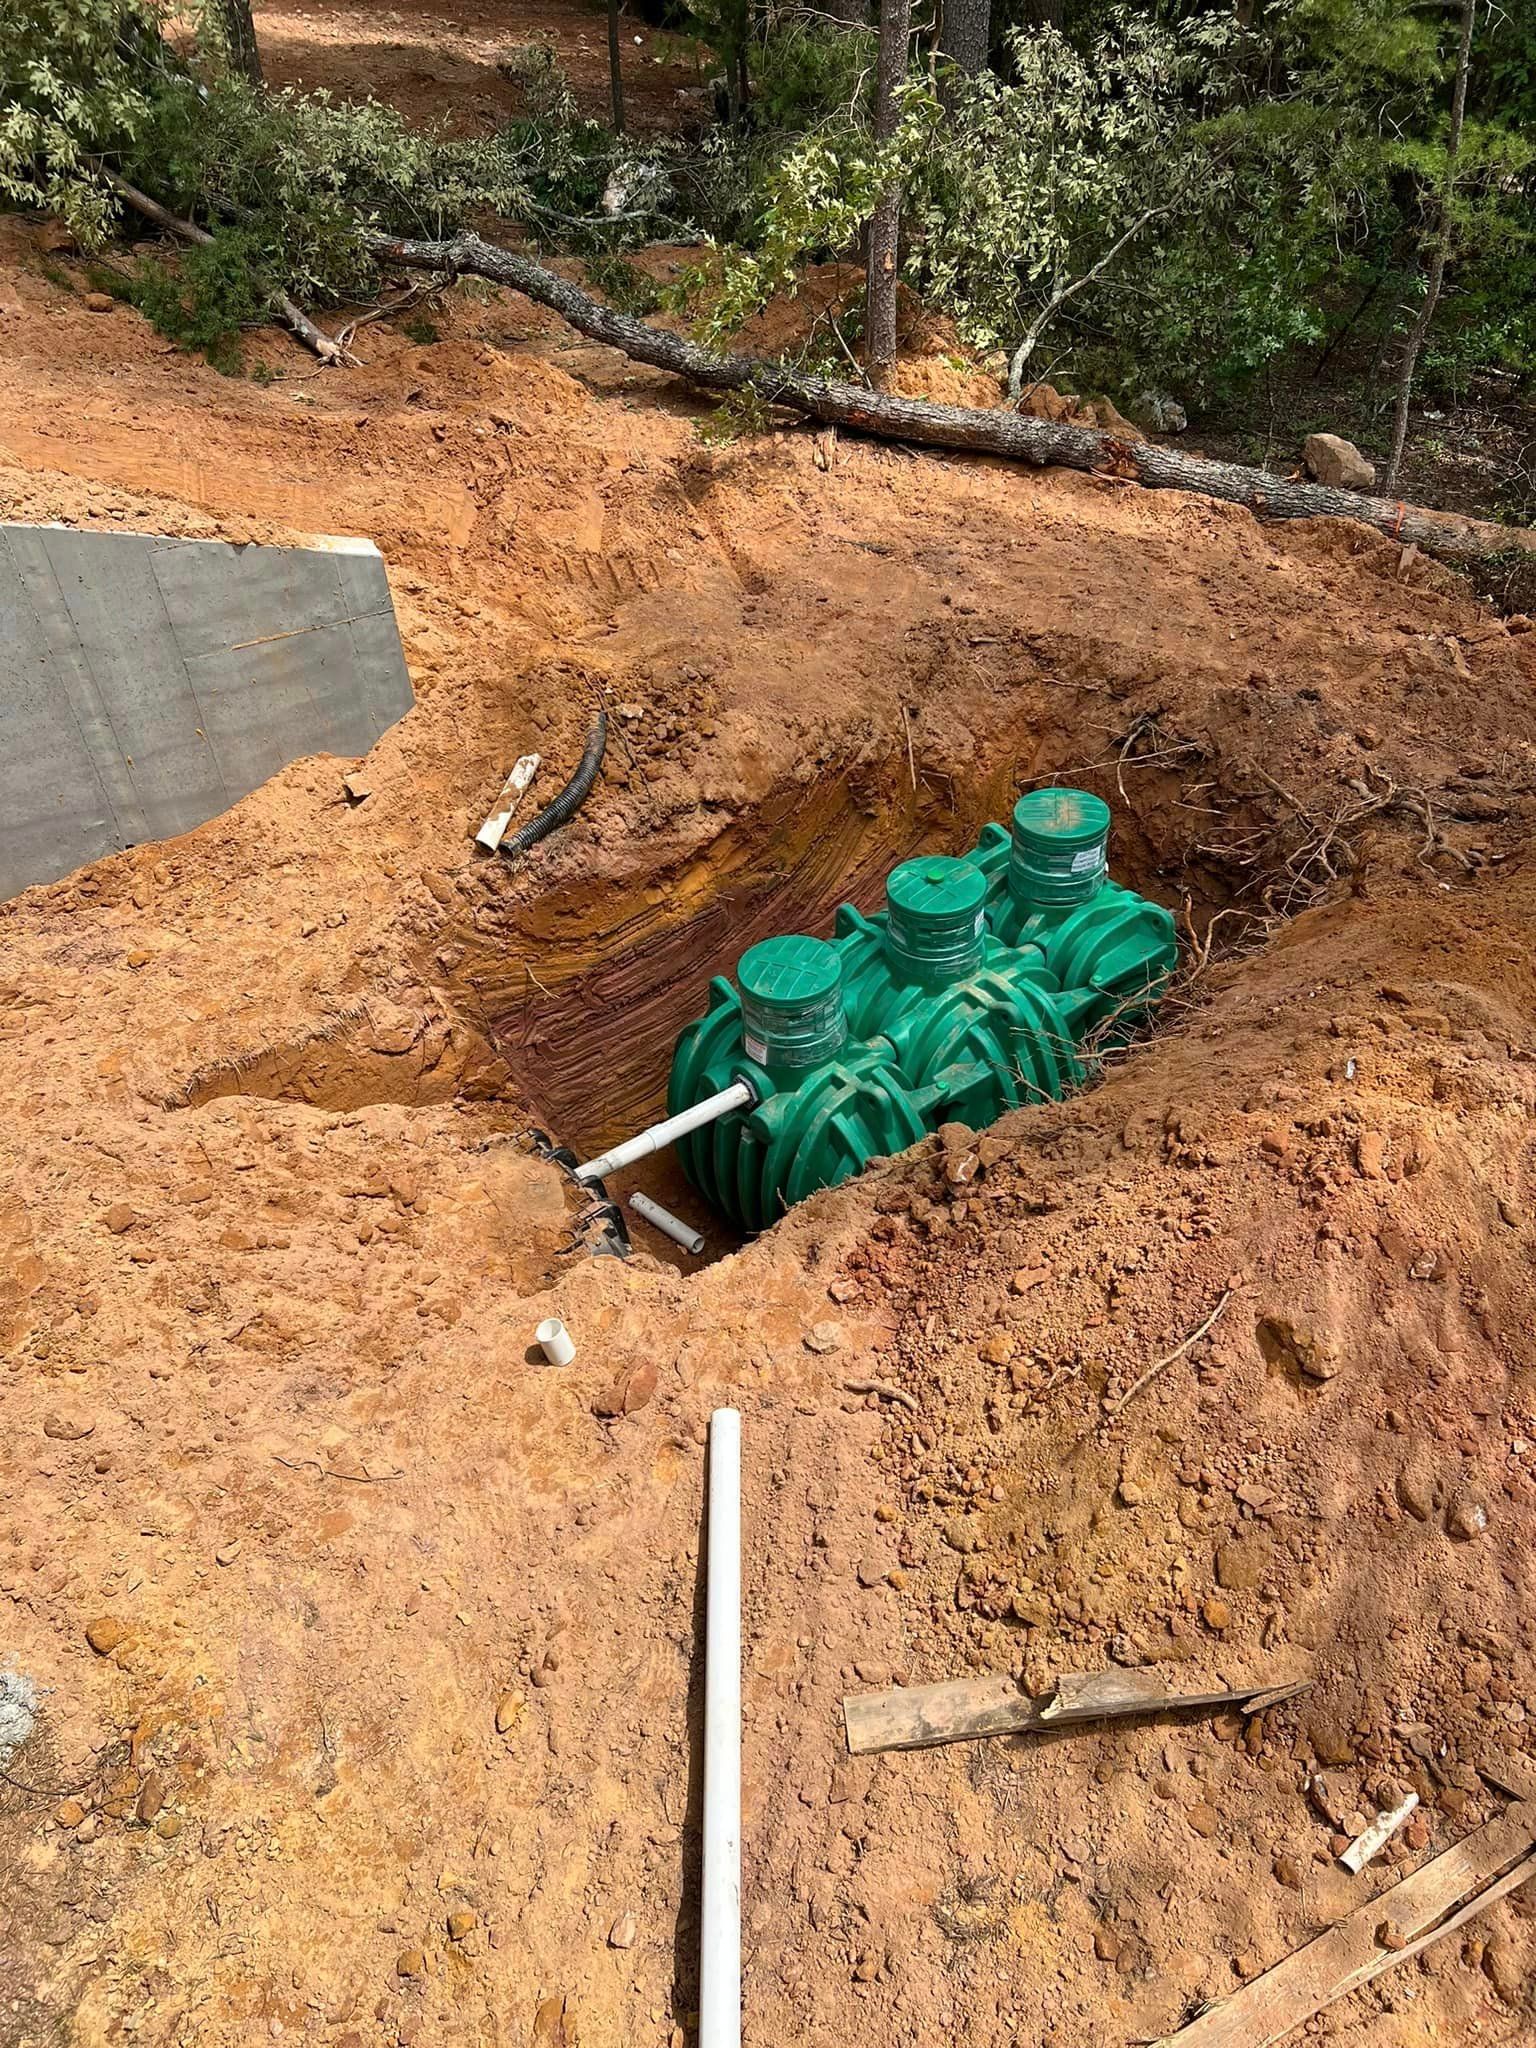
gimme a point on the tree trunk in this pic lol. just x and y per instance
(965, 34)
(1001, 432)
(615, 69)
(238, 34)
(1420, 330)
(885, 227)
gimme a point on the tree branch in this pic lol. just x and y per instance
(312, 336)
(998, 432)
(1026, 347)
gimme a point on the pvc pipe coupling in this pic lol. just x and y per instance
(555, 1341)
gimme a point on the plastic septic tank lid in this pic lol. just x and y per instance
(936, 919)
(1060, 846)
(792, 1002)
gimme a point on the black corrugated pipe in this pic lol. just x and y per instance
(571, 798)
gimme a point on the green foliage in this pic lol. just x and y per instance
(741, 416)
(217, 289)
(77, 80)
(623, 284)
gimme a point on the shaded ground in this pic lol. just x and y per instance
(366, 1643)
(446, 66)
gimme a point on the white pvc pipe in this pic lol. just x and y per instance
(740, 1095)
(720, 1942)
(494, 830)
(669, 1225)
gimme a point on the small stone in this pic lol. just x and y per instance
(866, 1970)
(98, 302)
(151, 1797)
(1028, 1277)
(410, 1963)
(509, 1711)
(1204, 1819)
(462, 1921)
(1416, 1493)
(824, 1337)
(624, 1931)
(631, 1391)
(1218, 1615)
(1131, 1495)
(104, 1634)
(1466, 1518)
(227, 1552)
(357, 787)
(1288, 1872)
(870, 1572)
(1390, 1935)
(69, 1814)
(139, 959)
(120, 1217)
(168, 1826)
(997, 1348)
(66, 1429)
(1336, 462)
(1106, 1944)
(843, 1291)
(1371, 1154)
(1241, 1565)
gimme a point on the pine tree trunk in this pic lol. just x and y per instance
(238, 32)
(885, 227)
(1420, 330)
(965, 34)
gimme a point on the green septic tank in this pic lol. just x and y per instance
(971, 993)
(825, 1105)
(1049, 886)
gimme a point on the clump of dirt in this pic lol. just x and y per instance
(365, 1644)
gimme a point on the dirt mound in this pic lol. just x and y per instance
(366, 1646)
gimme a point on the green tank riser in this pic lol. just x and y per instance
(1094, 936)
(812, 1127)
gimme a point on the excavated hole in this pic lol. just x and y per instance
(585, 988)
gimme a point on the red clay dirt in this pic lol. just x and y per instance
(368, 1645)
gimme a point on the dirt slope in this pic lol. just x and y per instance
(367, 1644)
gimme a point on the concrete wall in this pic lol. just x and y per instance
(147, 683)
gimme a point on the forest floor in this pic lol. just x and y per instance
(365, 1645)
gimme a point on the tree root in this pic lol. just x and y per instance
(1001, 432)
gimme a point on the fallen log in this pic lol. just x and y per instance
(1013, 435)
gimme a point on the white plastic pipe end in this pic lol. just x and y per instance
(554, 1340)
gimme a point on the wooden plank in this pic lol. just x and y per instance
(1268, 2008)
(963, 1709)
(1102, 1695)
(923, 1716)
(1512, 1774)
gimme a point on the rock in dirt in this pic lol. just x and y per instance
(1332, 460)
(462, 1921)
(1241, 1565)
(824, 1337)
(630, 1391)
(98, 302)
(120, 1217)
(410, 1963)
(509, 1711)
(623, 1932)
(67, 1429)
(1466, 1517)
(105, 1633)
(1416, 1492)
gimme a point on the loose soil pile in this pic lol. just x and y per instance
(367, 1646)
